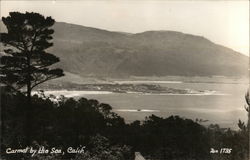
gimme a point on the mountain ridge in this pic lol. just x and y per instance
(88, 51)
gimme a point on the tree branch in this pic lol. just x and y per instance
(12, 87)
(13, 45)
(42, 81)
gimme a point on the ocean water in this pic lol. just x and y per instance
(221, 103)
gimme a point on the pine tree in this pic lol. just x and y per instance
(26, 62)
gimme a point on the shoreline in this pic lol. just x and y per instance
(78, 93)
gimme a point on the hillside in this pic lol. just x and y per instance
(94, 52)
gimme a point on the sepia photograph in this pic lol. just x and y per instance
(124, 80)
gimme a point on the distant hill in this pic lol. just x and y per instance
(94, 52)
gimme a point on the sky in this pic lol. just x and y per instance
(223, 22)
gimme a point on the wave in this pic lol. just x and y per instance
(147, 82)
(136, 110)
(67, 93)
(190, 93)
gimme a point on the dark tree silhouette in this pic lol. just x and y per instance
(245, 131)
(26, 61)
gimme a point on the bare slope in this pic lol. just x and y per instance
(91, 51)
(94, 52)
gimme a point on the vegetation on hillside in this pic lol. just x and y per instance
(67, 122)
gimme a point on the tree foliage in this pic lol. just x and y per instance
(27, 62)
(66, 122)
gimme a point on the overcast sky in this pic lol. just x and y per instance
(223, 22)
